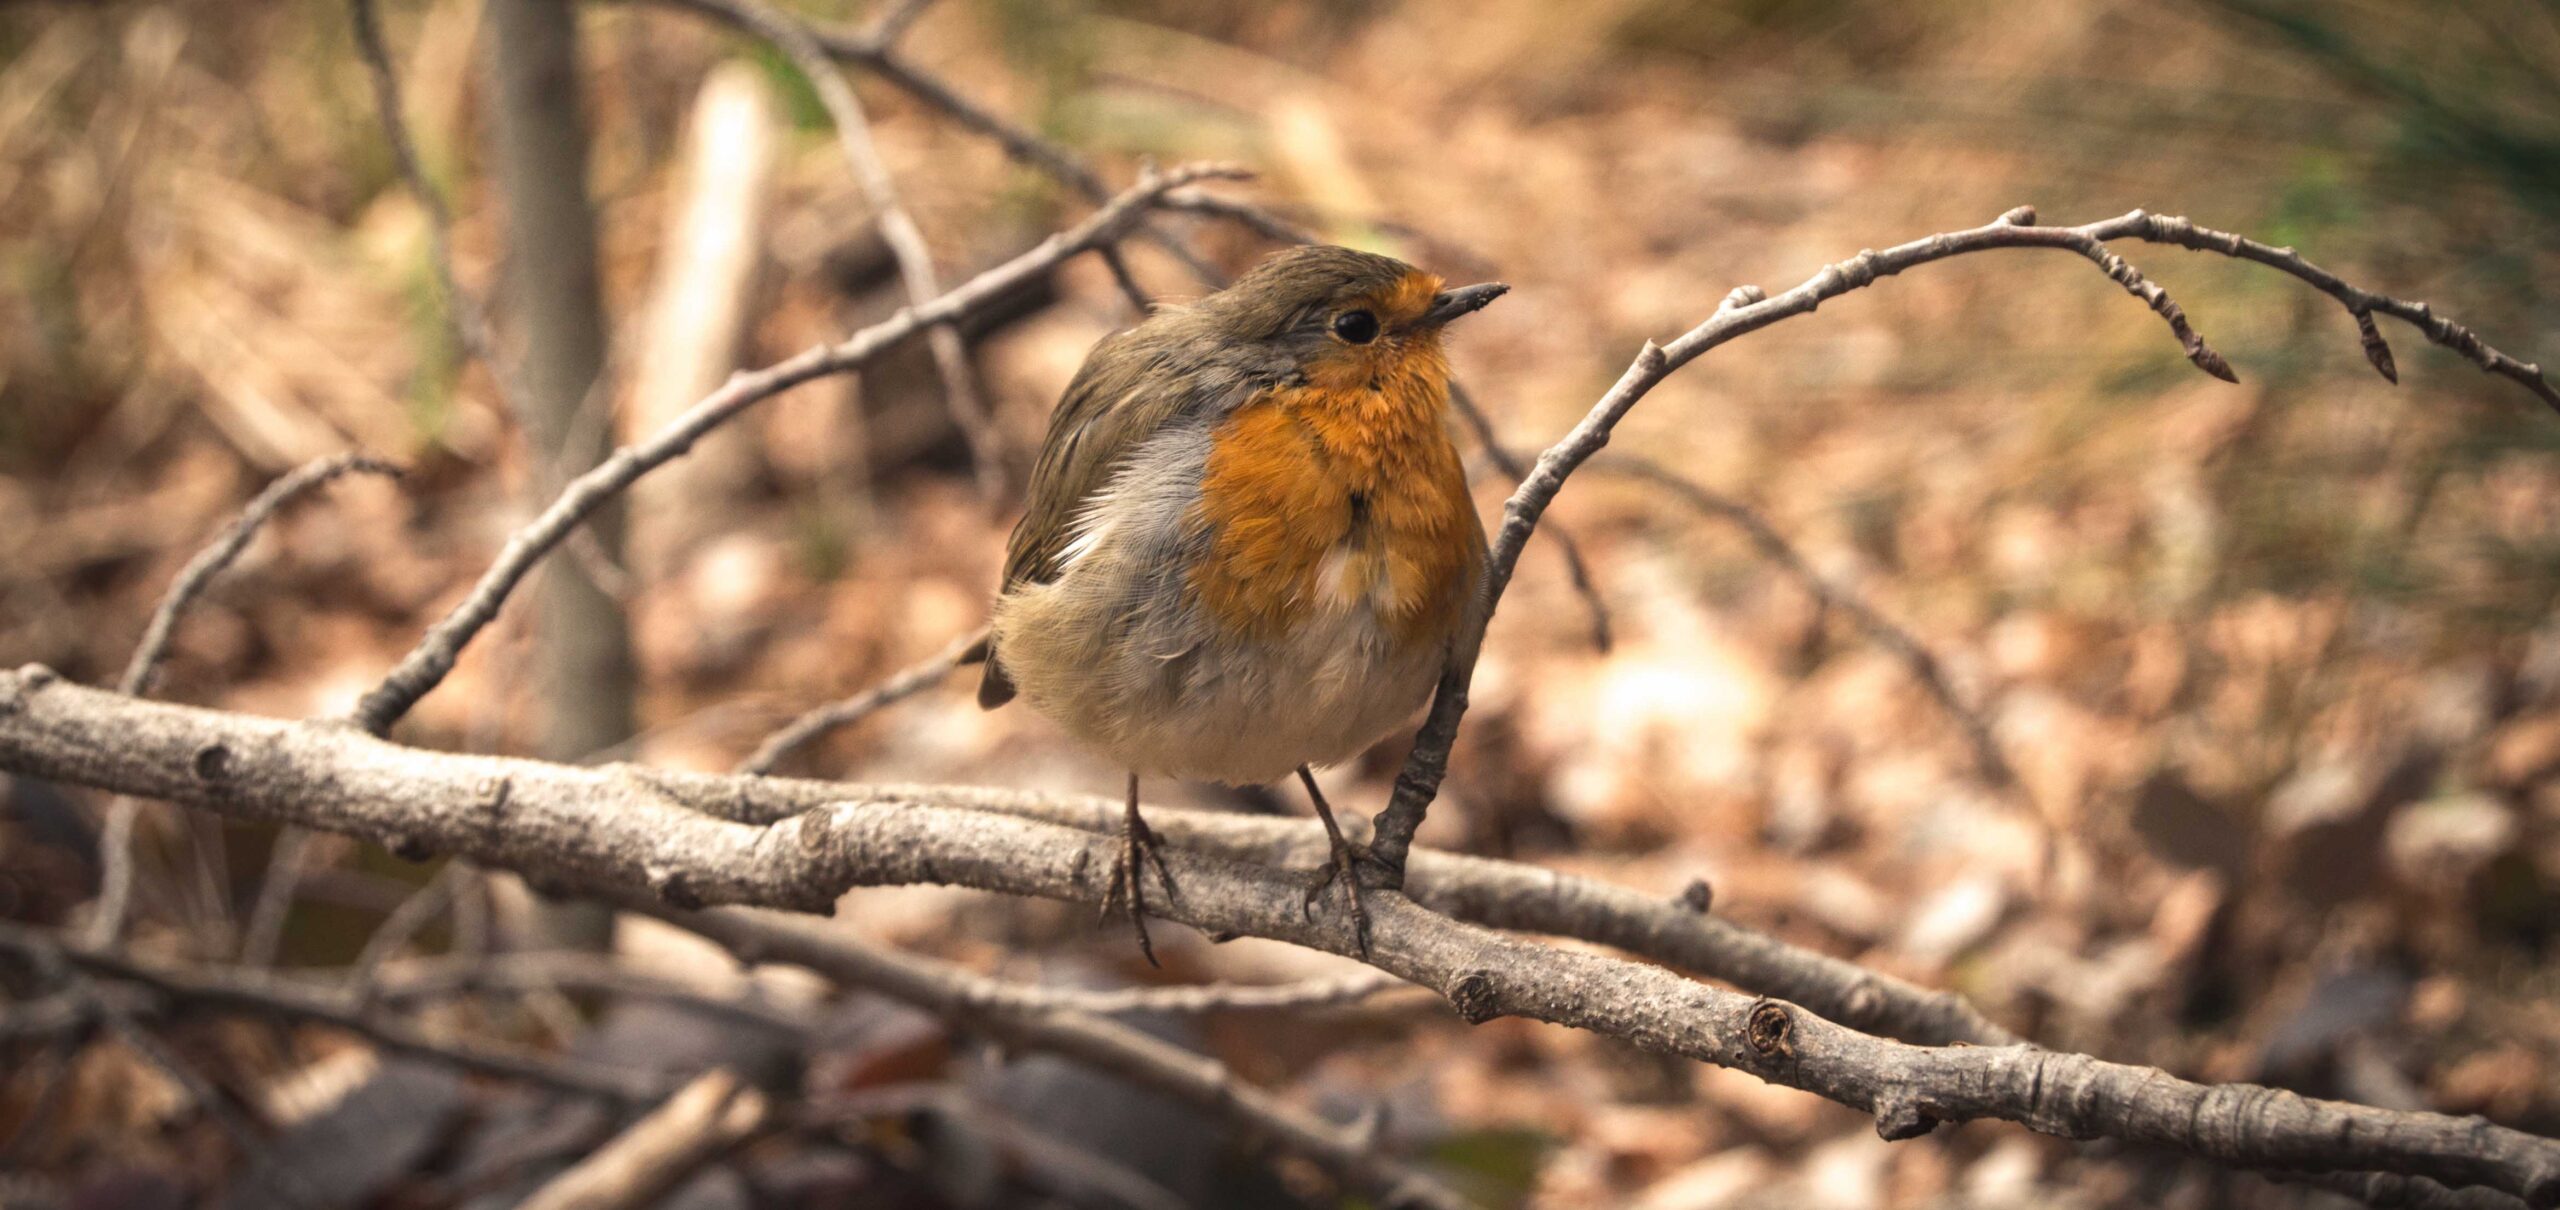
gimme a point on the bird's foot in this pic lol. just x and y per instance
(1128, 880)
(1342, 867)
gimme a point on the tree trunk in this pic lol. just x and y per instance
(538, 141)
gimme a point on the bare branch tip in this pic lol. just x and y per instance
(2376, 349)
(2211, 362)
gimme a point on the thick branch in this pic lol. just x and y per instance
(614, 828)
(1748, 309)
(1485, 891)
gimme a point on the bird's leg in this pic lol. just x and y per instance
(1142, 851)
(1344, 866)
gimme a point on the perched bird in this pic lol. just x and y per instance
(1248, 538)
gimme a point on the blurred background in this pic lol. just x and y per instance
(2275, 667)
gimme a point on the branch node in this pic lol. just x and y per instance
(493, 792)
(1744, 296)
(671, 887)
(2020, 216)
(813, 829)
(1770, 1030)
(1698, 896)
(1899, 1116)
(212, 764)
(1472, 994)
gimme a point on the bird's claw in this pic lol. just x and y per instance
(1343, 867)
(1128, 882)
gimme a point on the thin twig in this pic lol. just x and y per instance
(1924, 664)
(868, 52)
(552, 971)
(287, 860)
(1748, 309)
(115, 843)
(1490, 440)
(818, 723)
(897, 227)
(697, 1122)
(427, 664)
(405, 921)
(243, 991)
(971, 1000)
(143, 668)
(1121, 275)
(463, 314)
(1194, 1000)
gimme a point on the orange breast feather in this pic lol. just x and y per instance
(1341, 492)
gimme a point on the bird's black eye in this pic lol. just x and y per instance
(1357, 327)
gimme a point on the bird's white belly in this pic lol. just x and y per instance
(1321, 694)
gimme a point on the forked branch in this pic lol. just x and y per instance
(618, 830)
(1749, 309)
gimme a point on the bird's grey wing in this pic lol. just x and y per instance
(1129, 389)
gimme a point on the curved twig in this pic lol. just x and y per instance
(818, 723)
(115, 841)
(1490, 440)
(426, 665)
(144, 666)
(1748, 309)
(1883, 631)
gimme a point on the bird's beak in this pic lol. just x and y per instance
(1465, 300)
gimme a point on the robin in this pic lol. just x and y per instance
(1248, 539)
